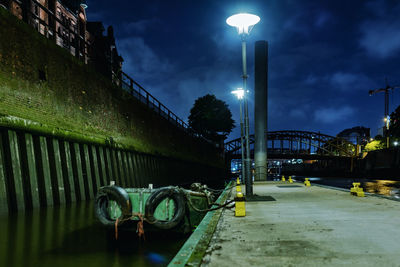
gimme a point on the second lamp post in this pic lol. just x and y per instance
(244, 22)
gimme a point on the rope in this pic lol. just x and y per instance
(116, 229)
(139, 227)
(211, 209)
(219, 190)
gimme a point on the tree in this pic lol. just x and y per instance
(374, 145)
(211, 118)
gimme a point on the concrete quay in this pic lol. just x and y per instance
(308, 226)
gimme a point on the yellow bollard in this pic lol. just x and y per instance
(354, 189)
(360, 193)
(290, 179)
(283, 178)
(238, 187)
(307, 182)
(357, 190)
(240, 208)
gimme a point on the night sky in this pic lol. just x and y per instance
(324, 56)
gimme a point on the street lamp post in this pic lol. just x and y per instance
(386, 130)
(240, 93)
(244, 22)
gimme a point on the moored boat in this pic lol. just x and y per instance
(169, 208)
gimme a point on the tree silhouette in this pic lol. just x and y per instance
(211, 118)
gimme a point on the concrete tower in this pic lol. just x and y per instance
(260, 110)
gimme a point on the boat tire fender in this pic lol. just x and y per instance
(155, 199)
(119, 195)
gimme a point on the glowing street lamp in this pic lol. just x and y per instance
(244, 23)
(239, 93)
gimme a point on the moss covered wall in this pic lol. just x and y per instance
(75, 101)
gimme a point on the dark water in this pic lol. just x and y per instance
(71, 236)
(381, 187)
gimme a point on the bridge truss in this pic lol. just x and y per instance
(298, 144)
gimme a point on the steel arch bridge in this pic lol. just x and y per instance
(297, 144)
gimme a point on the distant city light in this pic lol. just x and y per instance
(243, 22)
(395, 143)
(239, 93)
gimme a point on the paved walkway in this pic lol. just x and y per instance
(308, 226)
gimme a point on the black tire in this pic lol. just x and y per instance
(155, 199)
(119, 195)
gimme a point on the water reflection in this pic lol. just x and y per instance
(71, 236)
(381, 187)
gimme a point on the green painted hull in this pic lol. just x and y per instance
(165, 211)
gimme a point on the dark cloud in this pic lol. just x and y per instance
(381, 39)
(324, 56)
(331, 115)
(380, 32)
(140, 26)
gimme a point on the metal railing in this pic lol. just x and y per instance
(137, 91)
(66, 34)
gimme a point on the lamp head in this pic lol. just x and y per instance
(243, 22)
(239, 93)
(83, 4)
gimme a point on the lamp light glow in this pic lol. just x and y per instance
(239, 93)
(243, 22)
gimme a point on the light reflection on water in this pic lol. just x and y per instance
(380, 187)
(71, 236)
(383, 187)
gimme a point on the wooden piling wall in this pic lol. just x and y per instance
(40, 171)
